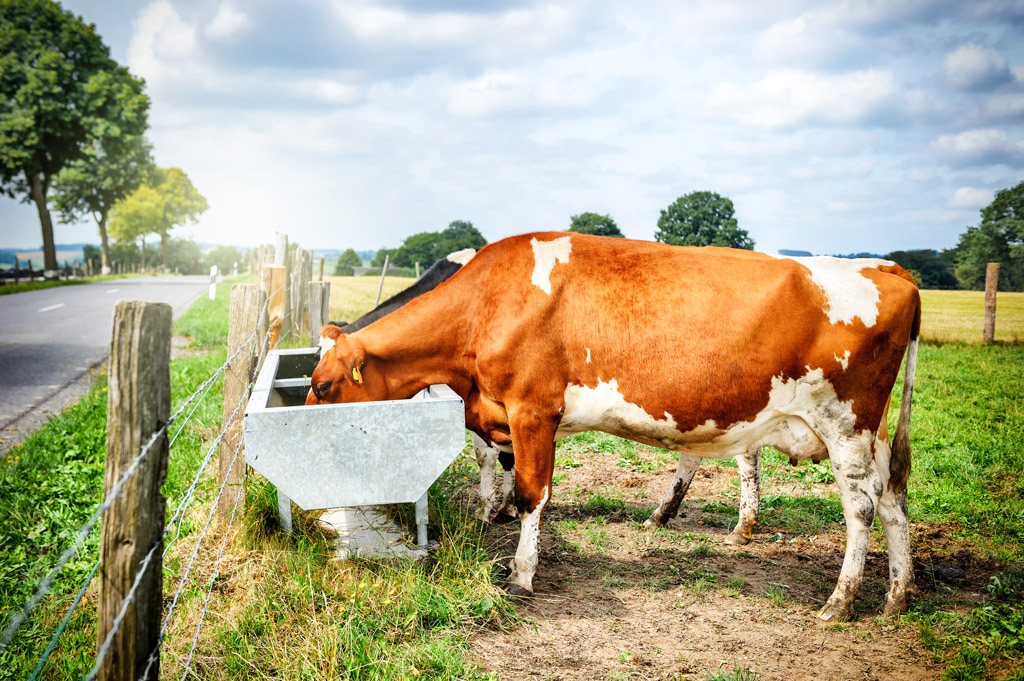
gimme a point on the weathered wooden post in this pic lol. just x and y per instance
(320, 277)
(383, 272)
(417, 269)
(17, 274)
(300, 276)
(28, 264)
(246, 318)
(319, 302)
(138, 403)
(991, 285)
(273, 283)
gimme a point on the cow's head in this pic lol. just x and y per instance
(338, 376)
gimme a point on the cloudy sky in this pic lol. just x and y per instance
(834, 127)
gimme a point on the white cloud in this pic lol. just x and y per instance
(228, 22)
(972, 67)
(987, 145)
(789, 98)
(970, 197)
(161, 39)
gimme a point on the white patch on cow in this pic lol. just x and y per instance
(524, 565)
(325, 345)
(604, 408)
(844, 360)
(545, 255)
(461, 257)
(588, 355)
(802, 414)
(848, 293)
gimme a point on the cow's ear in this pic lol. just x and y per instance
(354, 357)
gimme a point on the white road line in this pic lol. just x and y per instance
(51, 307)
(113, 290)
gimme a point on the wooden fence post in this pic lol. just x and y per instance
(273, 283)
(17, 275)
(320, 277)
(247, 317)
(991, 285)
(319, 302)
(138, 403)
(300, 276)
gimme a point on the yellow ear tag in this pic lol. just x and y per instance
(356, 376)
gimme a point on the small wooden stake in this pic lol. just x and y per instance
(383, 271)
(991, 285)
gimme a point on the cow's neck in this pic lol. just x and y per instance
(412, 348)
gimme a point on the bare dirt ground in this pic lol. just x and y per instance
(615, 600)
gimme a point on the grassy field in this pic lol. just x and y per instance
(959, 316)
(352, 297)
(283, 608)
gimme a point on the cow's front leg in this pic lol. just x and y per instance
(533, 437)
(859, 489)
(669, 506)
(750, 497)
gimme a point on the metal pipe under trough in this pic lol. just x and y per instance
(348, 455)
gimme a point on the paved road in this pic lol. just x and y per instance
(50, 339)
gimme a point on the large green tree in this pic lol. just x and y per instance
(426, 248)
(347, 261)
(117, 158)
(49, 59)
(702, 219)
(135, 217)
(593, 223)
(999, 238)
(935, 269)
(181, 202)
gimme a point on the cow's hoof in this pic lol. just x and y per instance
(653, 522)
(517, 590)
(832, 612)
(737, 539)
(895, 606)
(502, 518)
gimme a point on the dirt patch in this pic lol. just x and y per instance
(615, 600)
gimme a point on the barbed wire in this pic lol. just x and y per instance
(44, 587)
(84, 532)
(63, 624)
(209, 592)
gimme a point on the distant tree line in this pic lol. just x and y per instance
(705, 218)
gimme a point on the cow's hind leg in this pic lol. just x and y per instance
(860, 487)
(534, 440)
(750, 497)
(892, 511)
(669, 506)
(485, 458)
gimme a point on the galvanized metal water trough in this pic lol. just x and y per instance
(357, 454)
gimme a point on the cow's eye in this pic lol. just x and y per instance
(322, 388)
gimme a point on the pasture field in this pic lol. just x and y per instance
(959, 316)
(352, 297)
(614, 600)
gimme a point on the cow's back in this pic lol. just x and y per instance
(686, 334)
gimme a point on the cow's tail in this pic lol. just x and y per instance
(899, 464)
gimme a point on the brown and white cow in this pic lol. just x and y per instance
(706, 351)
